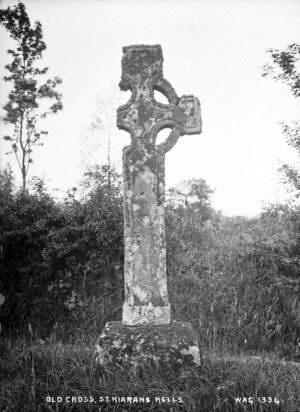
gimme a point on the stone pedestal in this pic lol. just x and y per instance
(172, 346)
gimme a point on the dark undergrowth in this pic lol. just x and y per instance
(45, 375)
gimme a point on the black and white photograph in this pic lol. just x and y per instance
(150, 205)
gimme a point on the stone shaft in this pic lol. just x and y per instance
(146, 296)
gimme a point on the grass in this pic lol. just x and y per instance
(31, 372)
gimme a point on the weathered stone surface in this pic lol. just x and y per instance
(173, 345)
(146, 334)
(146, 296)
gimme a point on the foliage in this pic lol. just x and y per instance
(25, 221)
(285, 68)
(86, 252)
(6, 185)
(23, 109)
(61, 263)
(237, 279)
(191, 196)
(291, 175)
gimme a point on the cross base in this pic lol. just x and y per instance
(134, 315)
(159, 346)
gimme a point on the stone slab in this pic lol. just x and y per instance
(174, 345)
(133, 315)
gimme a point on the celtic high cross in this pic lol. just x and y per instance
(146, 295)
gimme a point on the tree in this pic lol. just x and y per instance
(97, 143)
(191, 195)
(285, 68)
(29, 88)
(6, 185)
(85, 254)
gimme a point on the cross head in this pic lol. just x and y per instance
(142, 116)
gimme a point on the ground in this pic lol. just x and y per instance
(51, 376)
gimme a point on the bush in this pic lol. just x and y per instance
(61, 263)
(237, 279)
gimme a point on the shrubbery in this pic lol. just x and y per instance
(236, 279)
(61, 263)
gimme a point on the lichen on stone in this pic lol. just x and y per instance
(143, 167)
(164, 345)
(146, 331)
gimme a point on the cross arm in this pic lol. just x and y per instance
(191, 122)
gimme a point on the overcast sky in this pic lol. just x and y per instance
(214, 50)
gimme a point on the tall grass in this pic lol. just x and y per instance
(62, 370)
(235, 280)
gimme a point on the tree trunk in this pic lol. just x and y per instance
(23, 167)
(23, 179)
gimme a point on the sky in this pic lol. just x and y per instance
(214, 50)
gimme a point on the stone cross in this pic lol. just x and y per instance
(146, 295)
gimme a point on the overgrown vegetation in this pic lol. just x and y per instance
(61, 263)
(45, 375)
(236, 279)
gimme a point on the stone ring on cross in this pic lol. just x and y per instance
(142, 116)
